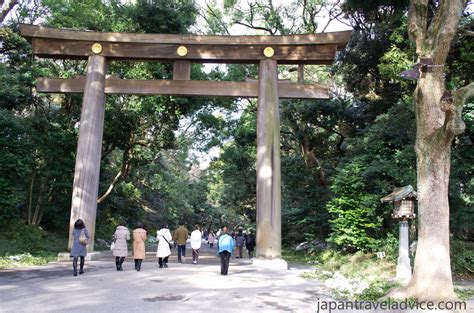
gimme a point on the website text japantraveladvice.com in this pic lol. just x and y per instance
(389, 305)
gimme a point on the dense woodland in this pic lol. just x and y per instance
(339, 156)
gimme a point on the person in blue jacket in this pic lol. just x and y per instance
(226, 247)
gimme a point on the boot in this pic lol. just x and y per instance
(122, 259)
(74, 266)
(117, 263)
(81, 266)
(139, 265)
(136, 264)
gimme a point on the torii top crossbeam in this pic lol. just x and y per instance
(290, 49)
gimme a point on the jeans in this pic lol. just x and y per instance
(225, 260)
(181, 249)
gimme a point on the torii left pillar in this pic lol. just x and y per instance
(89, 146)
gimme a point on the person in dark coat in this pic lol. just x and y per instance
(78, 249)
(239, 241)
(250, 244)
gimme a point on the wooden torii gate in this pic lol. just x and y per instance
(99, 48)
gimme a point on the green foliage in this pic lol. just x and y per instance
(462, 257)
(464, 294)
(14, 163)
(163, 16)
(393, 62)
(389, 245)
(376, 290)
(358, 276)
(87, 14)
(25, 260)
(353, 220)
(20, 238)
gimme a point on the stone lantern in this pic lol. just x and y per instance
(403, 200)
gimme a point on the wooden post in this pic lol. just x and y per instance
(268, 164)
(300, 73)
(86, 174)
(181, 70)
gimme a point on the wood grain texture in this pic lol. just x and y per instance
(268, 164)
(89, 146)
(315, 54)
(333, 38)
(182, 70)
(184, 88)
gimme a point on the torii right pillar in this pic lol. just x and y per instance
(268, 169)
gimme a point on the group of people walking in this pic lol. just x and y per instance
(165, 244)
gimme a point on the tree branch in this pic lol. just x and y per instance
(417, 21)
(443, 28)
(123, 170)
(453, 123)
(468, 33)
(255, 27)
(7, 9)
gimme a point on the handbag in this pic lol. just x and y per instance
(112, 246)
(171, 247)
(82, 238)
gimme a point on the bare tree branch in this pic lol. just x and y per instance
(7, 9)
(468, 33)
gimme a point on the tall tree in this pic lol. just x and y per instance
(432, 26)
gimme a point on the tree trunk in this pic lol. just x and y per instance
(30, 196)
(39, 202)
(432, 270)
(438, 121)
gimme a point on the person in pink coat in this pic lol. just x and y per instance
(121, 236)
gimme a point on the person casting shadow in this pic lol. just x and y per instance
(164, 247)
(78, 249)
(139, 238)
(122, 234)
(226, 247)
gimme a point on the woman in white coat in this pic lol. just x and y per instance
(122, 234)
(164, 246)
(196, 239)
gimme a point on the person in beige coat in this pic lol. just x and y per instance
(121, 235)
(139, 238)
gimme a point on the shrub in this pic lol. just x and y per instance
(30, 239)
(352, 211)
(462, 257)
